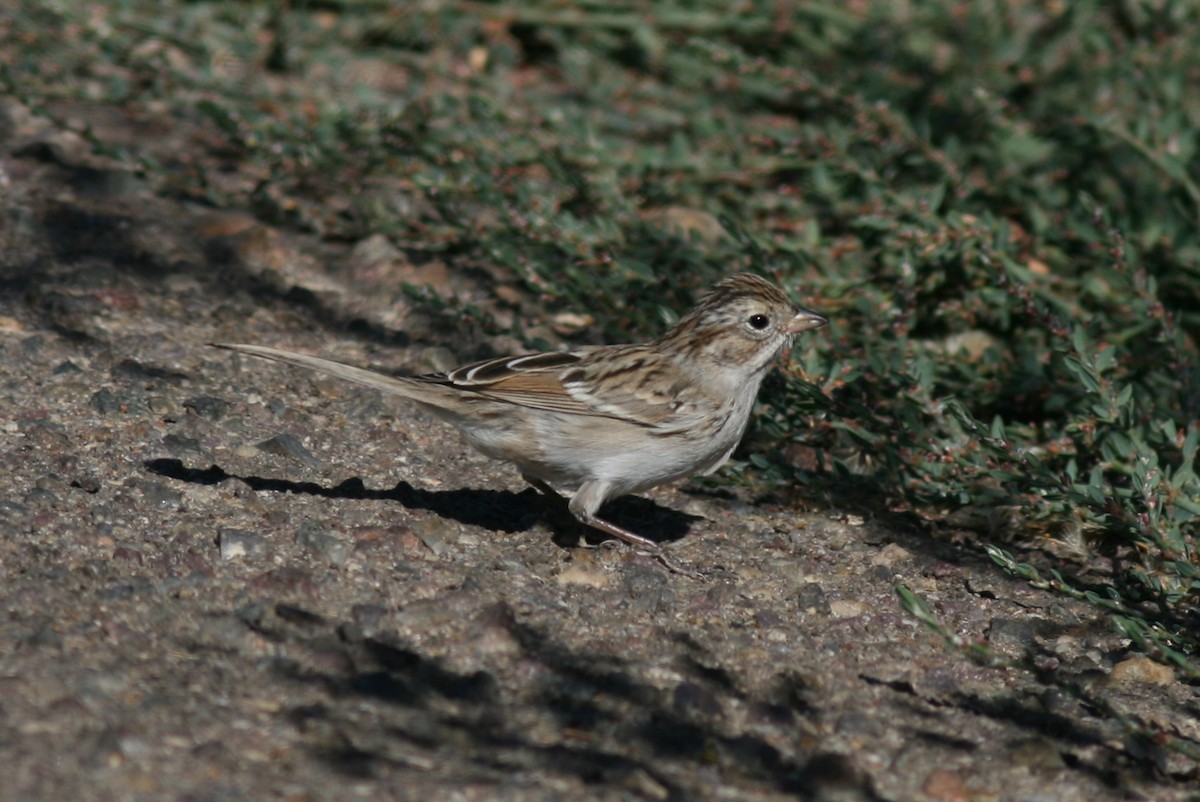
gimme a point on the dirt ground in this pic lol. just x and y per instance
(224, 579)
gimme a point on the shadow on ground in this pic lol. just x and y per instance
(497, 510)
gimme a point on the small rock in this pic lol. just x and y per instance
(945, 786)
(1013, 636)
(285, 445)
(811, 598)
(66, 367)
(159, 495)
(106, 402)
(159, 405)
(321, 542)
(435, 533)
(178, 444)
(844, 608)
(891, 554)
(648, 589)
(985, 587)
(40, 495)
(1142, 670)
(88, 483)
(235, 543)
(576, 574)
(207, 407)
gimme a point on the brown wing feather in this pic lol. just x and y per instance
(641, 385)
(532, 380)
(541, 390)
(501, 368)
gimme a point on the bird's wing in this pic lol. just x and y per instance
(638, 384)
(529, 381)
(532, 380)
(632, 383)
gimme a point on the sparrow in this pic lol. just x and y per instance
(606, 421)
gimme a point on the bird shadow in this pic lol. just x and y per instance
(498, 510)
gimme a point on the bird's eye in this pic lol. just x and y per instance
(759, 322)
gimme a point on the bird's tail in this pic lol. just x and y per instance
(388, 384)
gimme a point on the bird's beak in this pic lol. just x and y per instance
(805, 320)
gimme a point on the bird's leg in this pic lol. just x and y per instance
(579, 507)
(543, 488)
(583, 506)
(639, 542)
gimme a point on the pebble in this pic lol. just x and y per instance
(207, 406)
(286, 445)
(1142, 670)
(944, 785)
(576, 574)
(890, 554)
(159, 495)
(648, 589)
(436, 533)
(235, 543)
(178, 444)
(159, 405)
(845, 608)
(1012, 636)
(315, 538)
(811, 598)
(106, 402)
(40, 495)
(132, 369)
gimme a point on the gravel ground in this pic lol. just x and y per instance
(229, 580)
